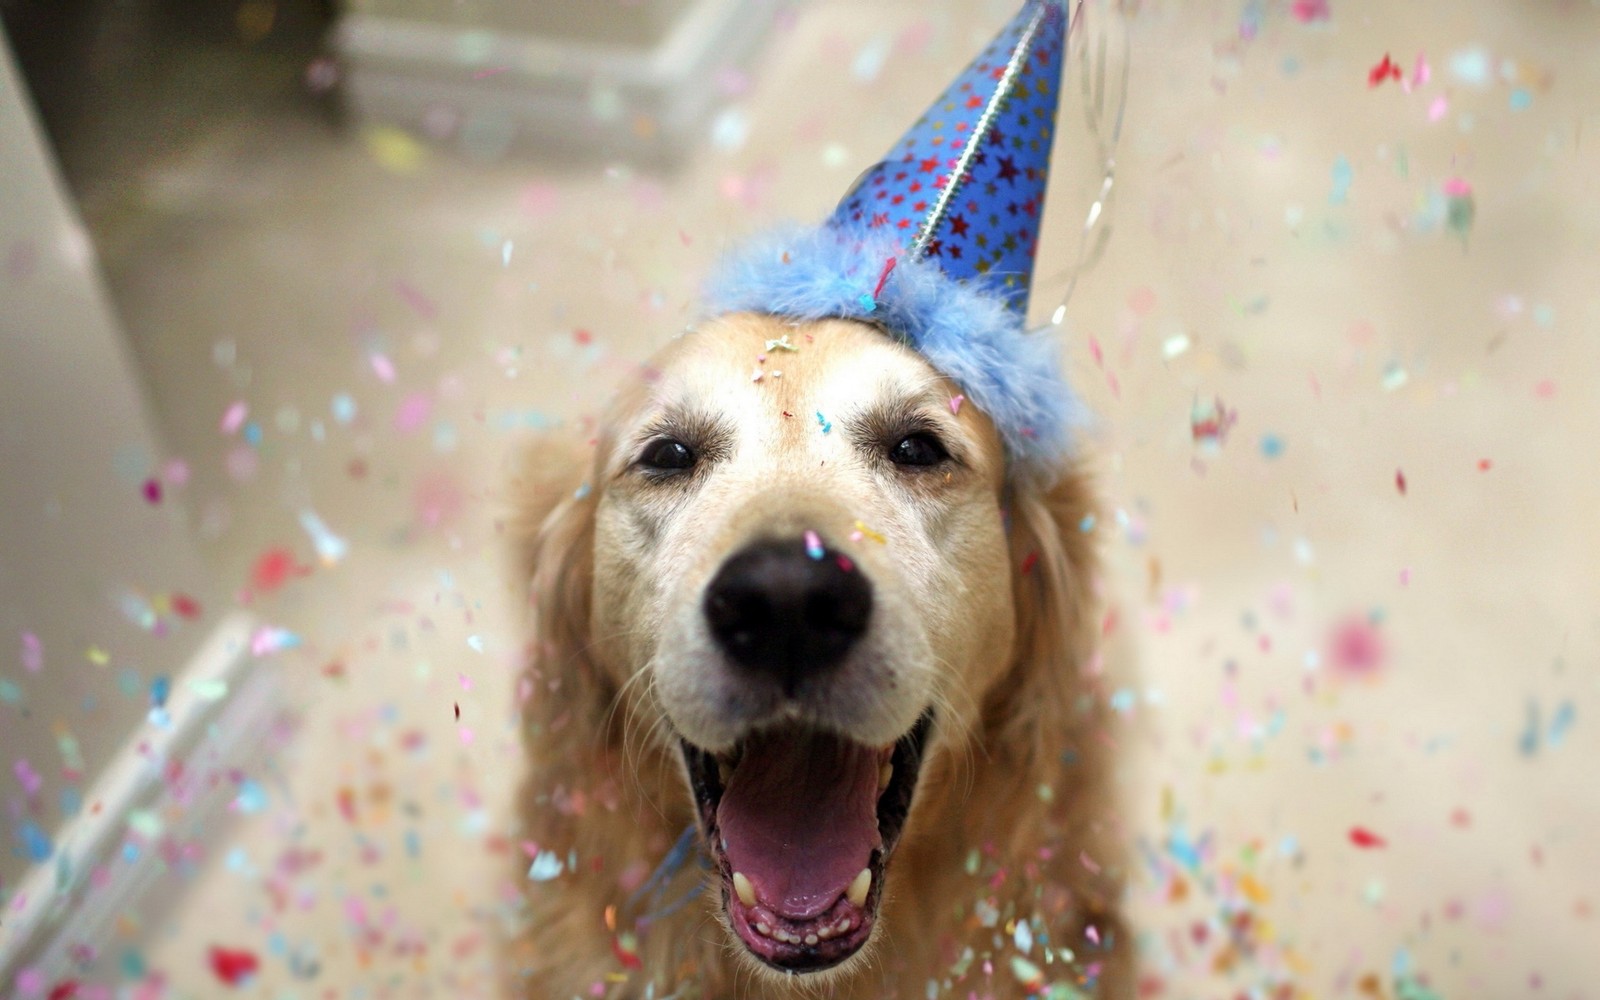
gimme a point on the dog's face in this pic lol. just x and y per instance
(802, 581)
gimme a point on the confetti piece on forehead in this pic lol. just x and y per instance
(955, 403)
(824, 422)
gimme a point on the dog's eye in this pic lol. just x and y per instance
(918, 450)
(666, 455)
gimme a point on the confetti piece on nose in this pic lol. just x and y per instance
(813, 545)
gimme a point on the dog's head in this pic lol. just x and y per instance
(803, 582)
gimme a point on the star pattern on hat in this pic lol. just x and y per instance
(989, 232)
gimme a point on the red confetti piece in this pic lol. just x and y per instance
(1029, 561)
(185, 606)
(1400, 481)
(273, 569)
(1306, 11)
(67, 989)
(1366, 839)
(233, 966)
(152, 490)
(1484, 465)
(883, 278)
(1385, 70)
(628, 959)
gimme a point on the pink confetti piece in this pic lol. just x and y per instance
(382, 367)
(813, 545)
(1438, 108)
(413, 297)
(1356, 648)
(32, 653)
(955, 403)
(27, 777)
(233, 417)
(413, 413)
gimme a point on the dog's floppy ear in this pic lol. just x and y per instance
(1055, 570)
(553, 536)
(1048, 721)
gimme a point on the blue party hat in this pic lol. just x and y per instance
(935, 244)
(966, 184)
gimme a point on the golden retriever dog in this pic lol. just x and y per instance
(810, 629)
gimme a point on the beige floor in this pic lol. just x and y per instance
(269, 259)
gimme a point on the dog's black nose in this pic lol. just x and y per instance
(774, 608)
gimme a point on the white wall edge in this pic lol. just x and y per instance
(55, 905)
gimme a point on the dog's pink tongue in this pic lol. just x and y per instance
(800, 819)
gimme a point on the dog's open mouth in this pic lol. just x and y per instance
(801, 824)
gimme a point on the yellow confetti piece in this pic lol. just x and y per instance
(395, 149)
(867, 532)
(1253, 890)
(97, 656)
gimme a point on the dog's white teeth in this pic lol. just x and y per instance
(844, 925)
(826, 934)
(884, 774)
(743, 889)
(812, 939)
(763, 930)
(857, 893)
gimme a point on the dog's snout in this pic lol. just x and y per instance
(774, 608)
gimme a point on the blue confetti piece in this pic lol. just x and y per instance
(36, 844)
(1521, 99)
(160, 688)
(1565, 714)
(344, 408)
(1271, 446)
(867, 302)
(252, 434)
(581, 492)
(252, 797)
(1343, 176)
(545, 867)
(1087, 524)
(824, 422)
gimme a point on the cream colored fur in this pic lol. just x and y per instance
(993, 624)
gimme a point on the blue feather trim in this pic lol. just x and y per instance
(820, 272)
